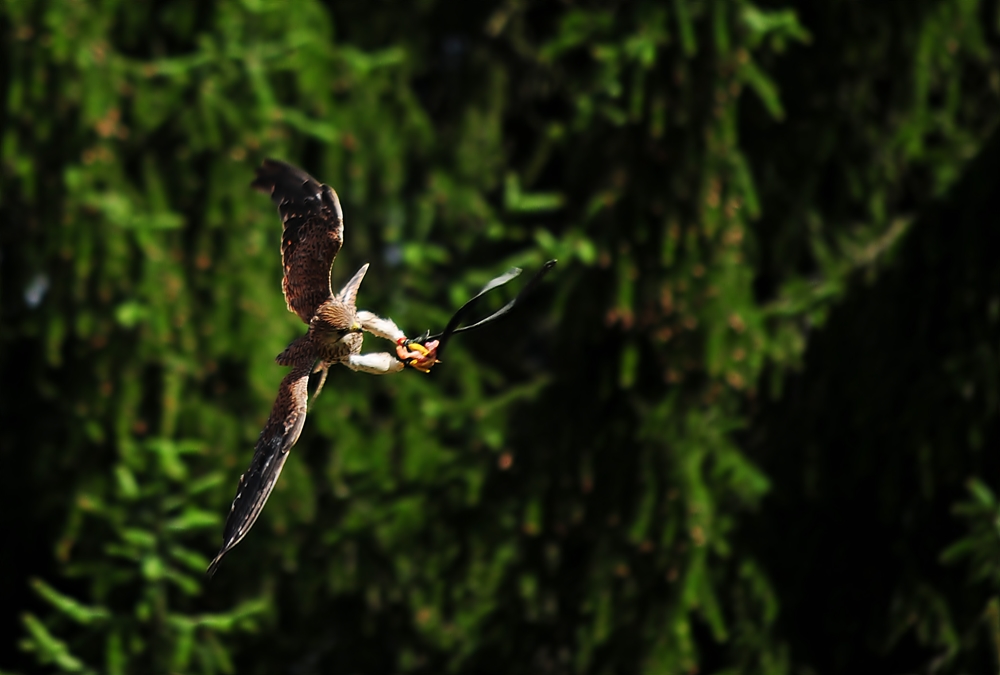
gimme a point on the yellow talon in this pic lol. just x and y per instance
(418, 356)
(417, 347)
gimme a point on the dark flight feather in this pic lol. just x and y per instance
(313, 233)
(279, 435)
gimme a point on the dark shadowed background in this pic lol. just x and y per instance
(750, 424)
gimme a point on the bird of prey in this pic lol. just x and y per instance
(313, 233)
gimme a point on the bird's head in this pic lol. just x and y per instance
(336, 320)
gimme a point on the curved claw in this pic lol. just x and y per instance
(416, 346)
(416, 355)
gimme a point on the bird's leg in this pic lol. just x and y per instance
(381, 363)
(323, 368)
(422, 357)
(379, 327)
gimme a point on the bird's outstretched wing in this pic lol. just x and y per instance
(313, 233)
(348, 295)
(279, 435)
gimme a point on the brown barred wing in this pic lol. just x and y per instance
(279, 435)
(313, 233)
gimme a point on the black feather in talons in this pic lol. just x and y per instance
(453, 324)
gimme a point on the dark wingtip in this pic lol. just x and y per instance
(213, 566)
(274, 175)
(265, 174)
(282, 181)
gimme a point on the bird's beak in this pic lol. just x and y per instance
(355, 327)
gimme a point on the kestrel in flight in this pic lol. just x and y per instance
(313, 234)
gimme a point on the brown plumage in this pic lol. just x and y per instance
(313, 234)
(282, 429)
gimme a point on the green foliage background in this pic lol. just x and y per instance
(750, 424)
